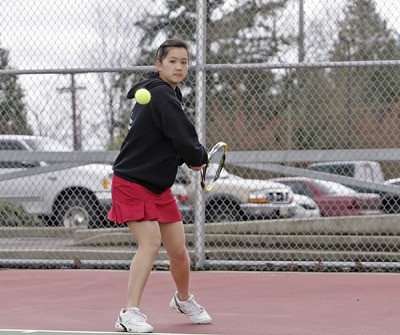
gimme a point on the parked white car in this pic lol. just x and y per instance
(236, 199)
(71, 196)
(305, 207)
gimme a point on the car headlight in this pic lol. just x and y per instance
(270, 196)
(258, 198)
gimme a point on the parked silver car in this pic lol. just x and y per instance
(71, 196)
(235, 199)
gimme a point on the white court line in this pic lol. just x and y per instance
(31, 331)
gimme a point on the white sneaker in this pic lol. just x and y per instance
(133, 321)
(189, 307)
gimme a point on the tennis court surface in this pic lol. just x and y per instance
(47, 332)
(88, 301)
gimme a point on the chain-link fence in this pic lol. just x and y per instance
(305, 93)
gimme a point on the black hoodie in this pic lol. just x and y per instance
(159, 139)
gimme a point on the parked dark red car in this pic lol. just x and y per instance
(334, 199)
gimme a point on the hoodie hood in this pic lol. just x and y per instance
(151, 81)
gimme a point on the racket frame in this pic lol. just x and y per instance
(221, 164)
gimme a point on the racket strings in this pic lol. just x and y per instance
(216, 156)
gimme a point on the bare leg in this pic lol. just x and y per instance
(147, 235)
(173, 239)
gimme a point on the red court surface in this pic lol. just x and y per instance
(239, 302)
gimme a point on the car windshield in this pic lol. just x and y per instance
(46, 144)
(334, 188)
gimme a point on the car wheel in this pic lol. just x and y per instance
(391, 205)
(220, 212)
(77, 212)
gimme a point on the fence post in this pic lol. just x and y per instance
(199, 236)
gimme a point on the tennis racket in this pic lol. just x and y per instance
(212, 170)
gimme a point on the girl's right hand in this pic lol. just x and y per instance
(197, 168)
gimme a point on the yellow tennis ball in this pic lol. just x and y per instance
(142, 96)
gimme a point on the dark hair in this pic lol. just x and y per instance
(164, 48)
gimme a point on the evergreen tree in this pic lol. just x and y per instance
(12, 108)
(244, 34)
(363, 35)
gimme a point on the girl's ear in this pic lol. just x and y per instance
(159, 65)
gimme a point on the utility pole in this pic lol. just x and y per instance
(301, 32)
(301, 55)
(76, 120)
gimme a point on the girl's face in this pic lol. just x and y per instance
(174, 67)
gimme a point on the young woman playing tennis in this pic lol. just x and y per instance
(159, 139)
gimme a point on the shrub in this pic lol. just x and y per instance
(13, 215)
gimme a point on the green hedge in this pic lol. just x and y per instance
(13, 215)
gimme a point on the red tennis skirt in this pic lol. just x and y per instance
(133, 202)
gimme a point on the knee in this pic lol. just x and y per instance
(179, 255)
(150, 247)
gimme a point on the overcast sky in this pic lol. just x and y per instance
(40, 33)
(58, 33)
